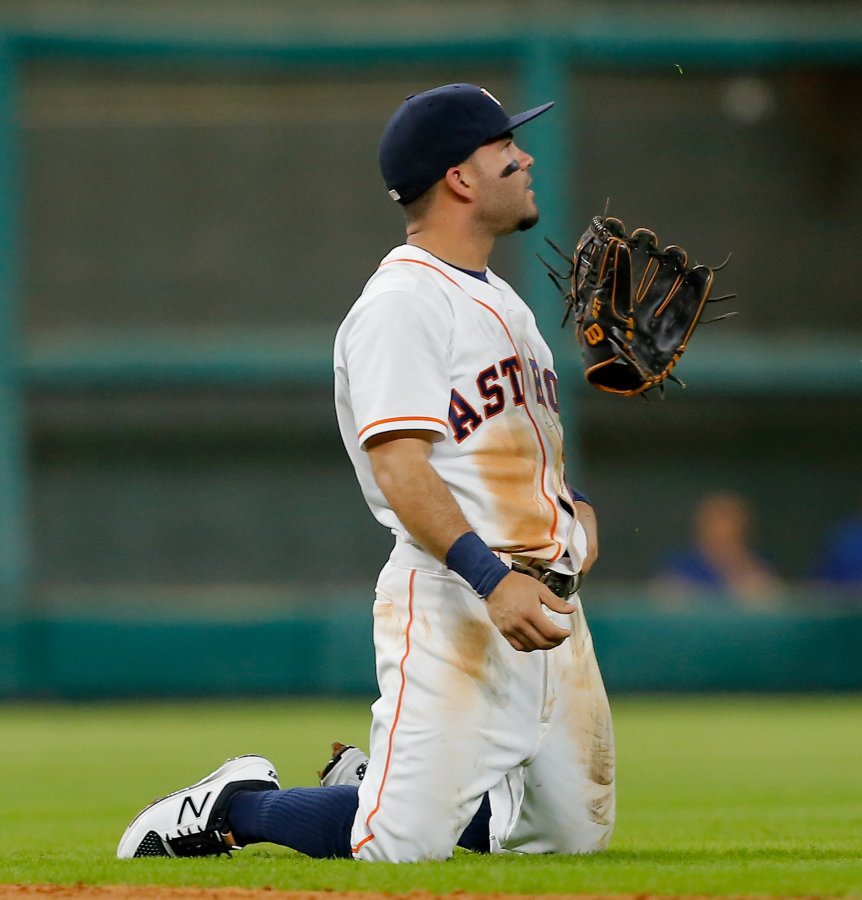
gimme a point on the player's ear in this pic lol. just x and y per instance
(459, 180)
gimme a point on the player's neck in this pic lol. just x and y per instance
(466, 251)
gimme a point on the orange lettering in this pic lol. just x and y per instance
(594, 334)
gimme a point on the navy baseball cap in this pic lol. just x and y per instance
(433, 131)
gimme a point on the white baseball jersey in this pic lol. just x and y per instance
(430, 347)
(461, 713)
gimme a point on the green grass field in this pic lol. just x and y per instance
(715, 795)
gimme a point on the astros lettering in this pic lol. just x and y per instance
(465, 417)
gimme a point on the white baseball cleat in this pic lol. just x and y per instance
(347, 766)
(189, 822)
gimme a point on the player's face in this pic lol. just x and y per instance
(506, 200)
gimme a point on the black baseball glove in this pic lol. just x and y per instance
(634, 306)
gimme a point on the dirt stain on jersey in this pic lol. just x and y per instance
(588, 718)
(510, 465)
(471, 647)
(384, 615)
(424, 624)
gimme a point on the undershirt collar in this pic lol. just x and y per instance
(482, 276)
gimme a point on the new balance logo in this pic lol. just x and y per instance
(196, 812)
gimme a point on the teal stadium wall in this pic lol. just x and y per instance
(639, 650)
(177, 515)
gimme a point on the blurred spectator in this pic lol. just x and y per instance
(840, 562)
(720, 564)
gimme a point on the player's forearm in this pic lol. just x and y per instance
(426, 507)
(587, 517)
(417, 494)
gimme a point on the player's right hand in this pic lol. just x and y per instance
(515, 608)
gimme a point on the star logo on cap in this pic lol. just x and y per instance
(487, 93)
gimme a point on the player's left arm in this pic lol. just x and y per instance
(587, 518)
(400, 462)
(414, 490)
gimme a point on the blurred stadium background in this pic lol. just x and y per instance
(189, 202)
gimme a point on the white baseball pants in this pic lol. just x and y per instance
(461, 713)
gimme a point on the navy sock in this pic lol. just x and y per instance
(476, 835)
(314, 821)
(318, 821)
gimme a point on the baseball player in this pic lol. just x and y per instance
(492, 730)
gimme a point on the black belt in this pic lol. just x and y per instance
(561, 585)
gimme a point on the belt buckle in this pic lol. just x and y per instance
(548, 575)
(560, 584)
(568, 583)
(565, 584)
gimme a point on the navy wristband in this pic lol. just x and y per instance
(577, 495)
(471, 558)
